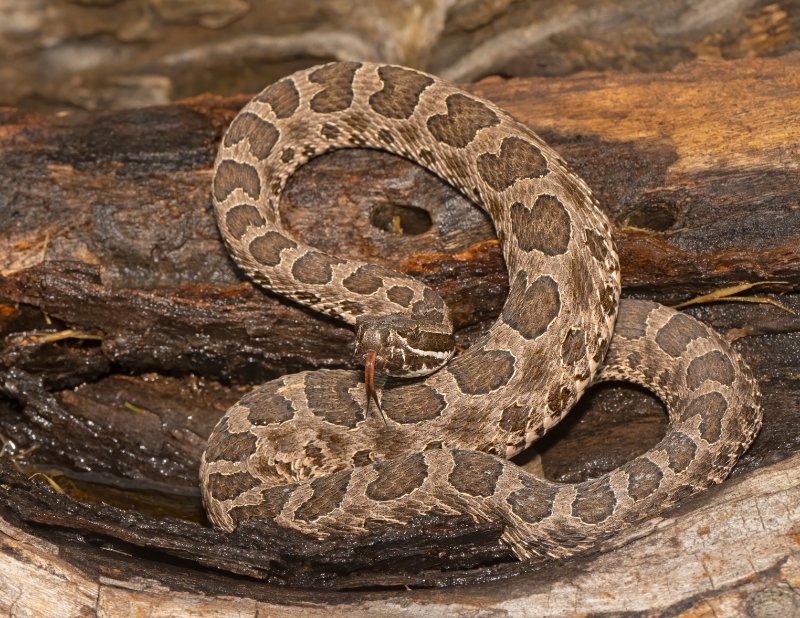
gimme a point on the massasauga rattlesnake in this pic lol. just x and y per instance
(305, 452)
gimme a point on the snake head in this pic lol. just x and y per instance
(399, 346)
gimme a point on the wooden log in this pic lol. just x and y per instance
(127, 329)
(733, 553)
(137, 53)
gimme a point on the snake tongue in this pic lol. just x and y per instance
(369, 380)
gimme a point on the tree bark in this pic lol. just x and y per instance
(127, 331)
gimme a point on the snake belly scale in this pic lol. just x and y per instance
(301, 451)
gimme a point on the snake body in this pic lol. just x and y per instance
(302, 451)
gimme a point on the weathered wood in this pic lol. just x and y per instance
(733, 553)
(100, 54)
(108, 232)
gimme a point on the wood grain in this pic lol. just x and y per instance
(108, 232)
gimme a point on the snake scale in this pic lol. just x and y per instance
(305, 452)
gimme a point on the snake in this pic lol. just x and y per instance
(305, 452)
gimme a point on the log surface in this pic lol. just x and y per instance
(127, 330)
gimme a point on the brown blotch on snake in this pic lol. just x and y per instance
(270, 504)
(329, 397)
(676, 335)
(711, 409)
(400, 93)
(329, 131)
(518, 159)
(482, 371)
(472, 474)
(265, 406)
(228, 486)
(636, 326)
(464, 118)
(230, 446)
(267, 248)
(241, 217)
(260, 134)
(231, 175)
(412, 403)
(680, 449)
(595, 502)
(545, 227)
(328, 493)
(534, 502)
(282, 97)
(644, 477)
(710, 366)
(397, 477)
(400, 294)
(314, 268)
(531, 308)
(367, 279)
(337, 79)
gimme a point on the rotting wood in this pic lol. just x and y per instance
(110, 233)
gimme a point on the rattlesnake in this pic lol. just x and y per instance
(305, 452)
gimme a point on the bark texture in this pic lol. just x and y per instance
(127, 331)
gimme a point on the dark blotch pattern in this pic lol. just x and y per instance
(594, 502)
(464, 118)
(329, 398)
(481, 371)
(597, 246)
(680, 450)
(266, 249)
(287, 155)
(400, 93)
(367, 279)
(518, 159)
(514, 418)
(529, 310)
(711, 366)
(711, 409)
(398, 477)
(412, 403)
(330, 131)
(269, 506)
(230, 446)
(608, 299)
(231, 175)
(475, 474)
(400, 294)
(228, 486)
(534, 502)
(632, 318)
(265, 406)
(573, 348)
(314, 268)
(676, 335)
(546, 227)
(361, 458)
(282, 96)
(558, 398)
(644, 477)
(337, 94)
(241, 217)
(328, 493)
(260, 134)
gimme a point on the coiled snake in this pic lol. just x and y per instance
(304, 450)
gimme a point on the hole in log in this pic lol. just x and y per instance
(401, 219)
